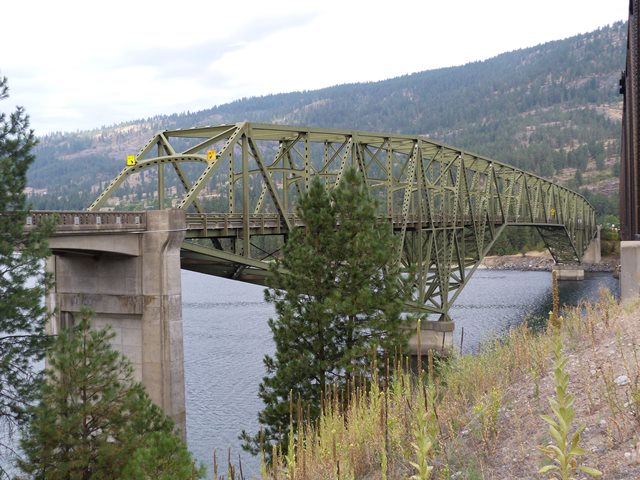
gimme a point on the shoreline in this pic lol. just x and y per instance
(541, 261)
(486, 411)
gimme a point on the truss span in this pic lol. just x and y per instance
(448, 206)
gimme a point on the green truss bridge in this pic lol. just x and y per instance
(226, 201)
(239, 185)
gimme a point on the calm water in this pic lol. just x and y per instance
(226, 336)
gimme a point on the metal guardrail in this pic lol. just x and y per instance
(224, 221)
(228, 222)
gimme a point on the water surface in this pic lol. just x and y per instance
(226, 336)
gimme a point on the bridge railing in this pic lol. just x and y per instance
(75, 220)
(70, 221)
(272, 221)
(236, 221)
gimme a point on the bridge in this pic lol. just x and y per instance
(225, 202)
(448, 206)
(629, 158)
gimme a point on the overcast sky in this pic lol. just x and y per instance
(76, 65)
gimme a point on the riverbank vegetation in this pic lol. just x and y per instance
(22, 282)
(479, 417)
(92, 420)
(338, 295)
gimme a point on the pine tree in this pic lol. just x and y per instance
(22, 279)
(162, 457)
(93, 421)
(338, 297)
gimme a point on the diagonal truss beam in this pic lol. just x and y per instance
(447, 206)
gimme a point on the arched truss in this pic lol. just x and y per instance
(448, 206)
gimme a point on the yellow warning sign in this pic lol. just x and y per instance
(212, 155)
(131, 160)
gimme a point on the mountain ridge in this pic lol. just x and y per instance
(552, 109)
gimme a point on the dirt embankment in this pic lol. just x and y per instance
(604, 378)
(532, 261)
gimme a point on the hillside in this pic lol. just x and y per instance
(553, 109)
(479, 416)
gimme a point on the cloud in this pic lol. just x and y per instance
(133, 59)
(194, 60)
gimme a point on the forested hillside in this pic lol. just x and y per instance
(553, 109)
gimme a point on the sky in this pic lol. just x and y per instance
(78, 65)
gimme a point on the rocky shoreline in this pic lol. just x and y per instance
(542, 261)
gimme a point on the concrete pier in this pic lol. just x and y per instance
(434, 335)
(593, 254)
(629, 270)
(569, 272)
(130, 278)
(576, 271)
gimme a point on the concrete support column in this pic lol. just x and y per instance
(161, 321)
(629, 270)
(569, 272)
(593, 253)
(132, 283)
(434, 335)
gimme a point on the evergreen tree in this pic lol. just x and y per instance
(162, 457)
(338, 296)
(22, 281)
(93, 421)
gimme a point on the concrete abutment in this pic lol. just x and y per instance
(136, 290)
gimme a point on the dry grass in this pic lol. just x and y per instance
(479, 416)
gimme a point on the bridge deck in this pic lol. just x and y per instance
(222, 225)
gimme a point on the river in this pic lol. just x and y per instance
(226, 336)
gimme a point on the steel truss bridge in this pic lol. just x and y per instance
(630, 151)
(239, 185)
